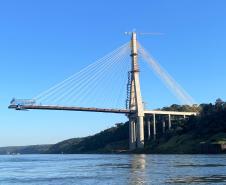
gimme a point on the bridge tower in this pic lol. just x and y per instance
(136, 123)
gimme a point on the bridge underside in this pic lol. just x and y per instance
(69, 108)
(93, 109)
(176, 113)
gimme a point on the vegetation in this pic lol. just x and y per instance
(205, 133)
(114, 139)
(199, 134)
(182, 108)
(33, 149)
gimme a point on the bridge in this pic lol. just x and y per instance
(76, 86)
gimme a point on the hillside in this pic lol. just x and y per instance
(32, 149)
(205, 133)
(114, 139)
(202, 134)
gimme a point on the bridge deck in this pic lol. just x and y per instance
(169, 112)
(93, 109)
(68, 108)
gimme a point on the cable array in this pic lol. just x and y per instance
(105, 83)
(101, 84)
(168, 80)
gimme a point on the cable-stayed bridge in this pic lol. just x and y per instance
(112, 85)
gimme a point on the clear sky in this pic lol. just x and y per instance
(43, 42)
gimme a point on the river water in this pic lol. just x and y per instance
(112, 169)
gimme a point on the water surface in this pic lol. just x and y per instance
(112, 169)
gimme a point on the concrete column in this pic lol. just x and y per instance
(149, 128)
(154, 127)
(140, 132)
(169, 121)
(163, 126)
(132, 136)
(135, 133)
(184, 116)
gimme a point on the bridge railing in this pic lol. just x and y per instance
(20, 103)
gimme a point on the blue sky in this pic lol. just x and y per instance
(44, 42)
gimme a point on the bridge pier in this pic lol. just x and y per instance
(140, 132)
(169, 121)
(163, 126)
(136, 132)
(149, 127)
(132, 134)
(154, 127)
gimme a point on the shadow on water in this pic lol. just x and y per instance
(201, 179)
(200, 165)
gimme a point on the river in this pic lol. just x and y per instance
(112, 169)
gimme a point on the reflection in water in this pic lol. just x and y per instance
(138, 170)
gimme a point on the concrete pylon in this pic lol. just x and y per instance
(136, 102)
(154, 127)
(163, 126)
(132, 119)
(169, 121)
(132, 134)
(140, 132)
(149, 128)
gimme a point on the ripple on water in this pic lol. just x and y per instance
(199, 165)
(199, 179)
(114, 165)
(112, 169)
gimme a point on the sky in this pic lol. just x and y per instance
(42, 42)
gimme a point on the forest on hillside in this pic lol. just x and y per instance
(186, 136)
(204, 133)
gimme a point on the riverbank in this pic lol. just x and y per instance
(106, 142)
(202, 134)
